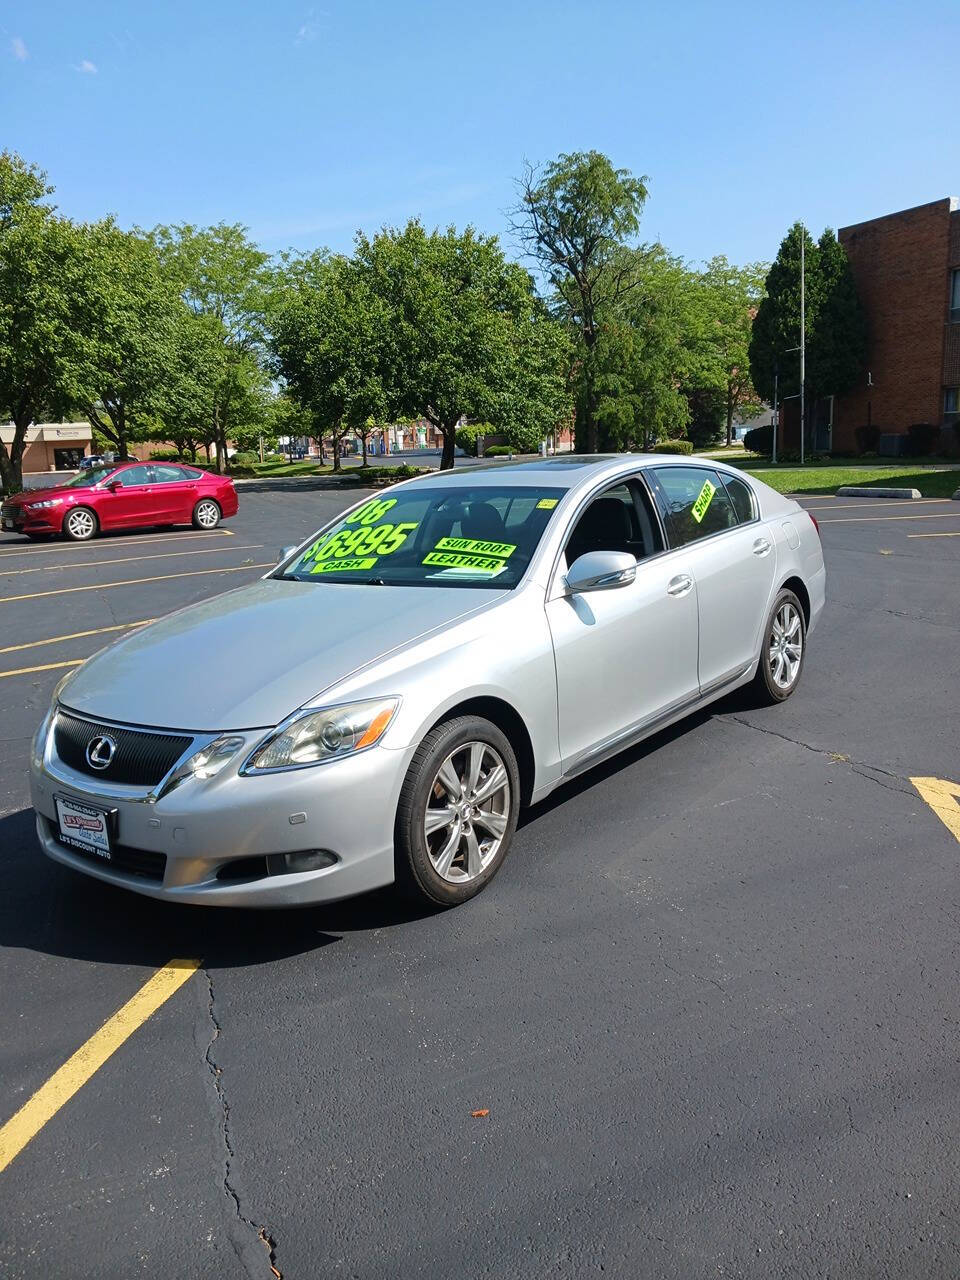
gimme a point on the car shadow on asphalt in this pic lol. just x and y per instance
(52, 910)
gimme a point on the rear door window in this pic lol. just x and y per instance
(169, 475)
(741, 495)
(694, 503)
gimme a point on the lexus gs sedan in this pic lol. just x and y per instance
(384, 702)
(128, 495)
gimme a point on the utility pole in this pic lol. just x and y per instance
(803, 340)
(776, 414)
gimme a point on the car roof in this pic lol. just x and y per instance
(563, 471)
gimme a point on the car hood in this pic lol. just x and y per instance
(39, 495)
(249, 658)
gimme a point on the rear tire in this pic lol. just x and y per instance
(80, 524)
(457, 813)
(783, 652)
(206, 514)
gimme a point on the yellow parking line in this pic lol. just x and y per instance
(75, 635)
(131, 582)
(90, 1057)
(946, 515)
(158, 555)
(933, 535)
(101, 544)
(47, 666)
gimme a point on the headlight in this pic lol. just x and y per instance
(49, 502)
(205, 763)
(313, 737)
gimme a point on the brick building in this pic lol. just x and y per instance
(906, 267)
(51, 446)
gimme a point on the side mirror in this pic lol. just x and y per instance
(113, 485)
(284, 552)
(600, 571)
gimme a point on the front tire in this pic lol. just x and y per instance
(206, 514)
(80, 524)
(457, 813)
(784, 649)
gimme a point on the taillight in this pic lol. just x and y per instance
(815, 525)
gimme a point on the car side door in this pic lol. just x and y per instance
(124, 498)
(734, 558)
(174, 495)
(626, 658)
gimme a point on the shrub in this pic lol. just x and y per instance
(759, 440)
(497, 451)
(165, 455)
(243, 460)
(673, 446)
(924, 438)
(867, 439)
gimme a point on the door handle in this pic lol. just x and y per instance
(680, 585)
(761, 547)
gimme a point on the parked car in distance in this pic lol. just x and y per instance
(384, 702)
(126, 495)
(94, 460)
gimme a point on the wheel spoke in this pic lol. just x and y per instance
(448, 853)
(477, 752)
(495, 823)
(474, 861)
(439, 819)
(447, 777)
(495, 781)
(793, 628)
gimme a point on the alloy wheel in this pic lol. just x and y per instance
(786, 645)
(80, 524)
(207, 515)
(468, 810)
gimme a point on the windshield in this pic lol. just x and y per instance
(86, 479)
(482, 536)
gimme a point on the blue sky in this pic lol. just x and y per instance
(307, 121)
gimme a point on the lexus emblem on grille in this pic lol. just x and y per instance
(100, 752)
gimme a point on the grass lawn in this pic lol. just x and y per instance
(304, 467)
(827, 477)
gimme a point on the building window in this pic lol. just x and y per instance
(951, 400)
(955, 294)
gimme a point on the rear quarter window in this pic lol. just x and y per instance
(741, 495)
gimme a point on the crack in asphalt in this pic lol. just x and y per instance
(216, 1072)
(858, 767)
(895, 613)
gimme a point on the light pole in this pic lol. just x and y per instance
(803, 339)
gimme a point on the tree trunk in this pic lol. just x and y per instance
(11, 463)
(336, 449)
(363, 445)
(449, 441)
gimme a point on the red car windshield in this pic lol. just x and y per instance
(87, 479)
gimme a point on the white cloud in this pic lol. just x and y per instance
(19, 49)
(87, 67)
(309, 29)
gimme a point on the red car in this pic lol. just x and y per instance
(127, 495)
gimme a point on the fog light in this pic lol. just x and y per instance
(281, 864)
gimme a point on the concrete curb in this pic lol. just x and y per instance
(856, 491)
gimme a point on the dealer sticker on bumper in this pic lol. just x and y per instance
(83, 828)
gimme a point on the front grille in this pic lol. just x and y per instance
(141, 759)
(135, 862)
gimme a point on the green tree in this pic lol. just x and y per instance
(226, 282)
(43, 288)
(134, 373)
(835, 322)
(327, 341)
(731, 296)
(464, 335)
(574, 217)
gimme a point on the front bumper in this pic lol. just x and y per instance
(203, 831)
(17, 519)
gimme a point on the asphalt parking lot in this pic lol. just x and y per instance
(708, 1010)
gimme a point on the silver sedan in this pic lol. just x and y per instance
(378, 708)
